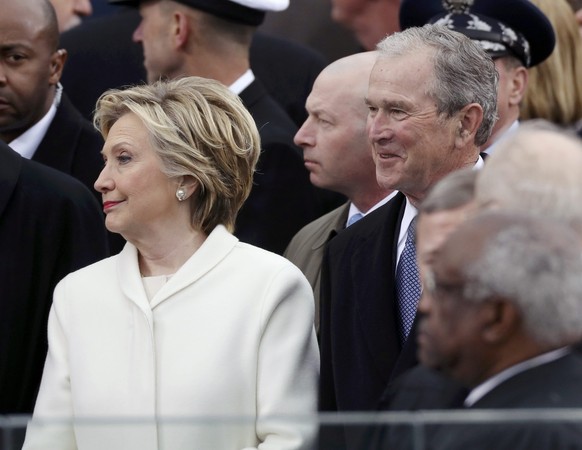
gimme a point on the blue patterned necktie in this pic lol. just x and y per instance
(407, 283)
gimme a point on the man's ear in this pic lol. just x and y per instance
(180, 29)
(500, 319)
(57, 64)
(518, 85)
(470, 118)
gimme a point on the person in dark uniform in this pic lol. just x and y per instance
(211, 39)
(50, 225)
(516, 34)
(102, 56)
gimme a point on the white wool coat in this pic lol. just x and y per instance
(221, 358)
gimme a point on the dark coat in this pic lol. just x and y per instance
(50, 225)
(360, 347)
(552, 385)
(282, 199)
(73, 146)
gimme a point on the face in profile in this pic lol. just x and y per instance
(413, 145)
(153, 33)
(138, 198)
(450, 325)
(30, 67)
(335, 144)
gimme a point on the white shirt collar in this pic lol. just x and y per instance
(354, 209)
(243, 82)
(489, 150)
(488, 385)
(410, 213)
(27, 143)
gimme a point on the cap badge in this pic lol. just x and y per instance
(457, 6)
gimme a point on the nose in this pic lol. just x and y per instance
(377, 126)
(83, 8)
(104, 182)
(424, 303)
(137, 35)
(305, 136)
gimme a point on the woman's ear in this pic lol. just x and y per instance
(189, 184)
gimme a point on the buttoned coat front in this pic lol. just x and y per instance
(230, 336)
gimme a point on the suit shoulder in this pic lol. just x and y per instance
(47, 183)
(320, 229)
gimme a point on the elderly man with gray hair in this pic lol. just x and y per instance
(501, 309)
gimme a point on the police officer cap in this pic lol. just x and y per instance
(249, 12)
(501, 27)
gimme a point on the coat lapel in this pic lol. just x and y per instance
(10, 167)
(373, 268)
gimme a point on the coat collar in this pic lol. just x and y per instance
(216, 247)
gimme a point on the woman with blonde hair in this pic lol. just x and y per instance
(554, 90)
(188, 339)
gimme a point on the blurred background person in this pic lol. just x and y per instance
(501, 312)
(309, 22)
(554, 90)
(338, 155)
(369, 21)
(70, 13)
(102, 56)
(515, 33)
(198, 324)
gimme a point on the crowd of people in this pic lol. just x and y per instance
(201, 218)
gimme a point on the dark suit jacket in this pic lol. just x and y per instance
(103, 56)
(282, 199)
(73, 146)
(360, 347)
(50, 225)
(552, 385)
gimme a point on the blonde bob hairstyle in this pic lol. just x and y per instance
(199, 129)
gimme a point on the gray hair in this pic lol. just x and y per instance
(536, 265)
(464, 73)
(538, 169)
(453, 191)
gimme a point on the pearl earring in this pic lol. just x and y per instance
(180, 194)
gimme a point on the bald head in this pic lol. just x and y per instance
(347, 78)
(39, 16)
(334, 139)
(536, 170)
